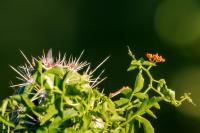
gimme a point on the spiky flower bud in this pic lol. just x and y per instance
(60, 95)
(52, 93)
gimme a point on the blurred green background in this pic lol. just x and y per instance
(102, 28)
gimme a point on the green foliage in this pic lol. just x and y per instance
(55, 97)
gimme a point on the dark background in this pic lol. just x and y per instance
(103, 28)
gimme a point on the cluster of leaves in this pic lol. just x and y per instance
(59, 99)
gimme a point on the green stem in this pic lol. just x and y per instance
(129, 120)
(151, 82)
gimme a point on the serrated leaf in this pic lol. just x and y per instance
(148, 128)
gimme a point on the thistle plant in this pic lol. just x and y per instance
(61, 95)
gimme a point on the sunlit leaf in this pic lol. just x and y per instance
(8, 123)
(69, 130)
(139, 82)
(141, 95)
(121, 101)
(116, 117)
(51, 111)
(148, 111)
(148, 128)
(4, 106)
(131, 68)
(148, 63)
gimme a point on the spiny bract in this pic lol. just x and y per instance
(56, 95)
(53, 93)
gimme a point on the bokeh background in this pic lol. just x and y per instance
(106, 27)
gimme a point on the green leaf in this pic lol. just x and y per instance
(20, 127)
(42, 130)
(116, 117)
(4, 106)
(48, 79)
(148, 63)
(97, 123)
(131, 68)
(55, 130)
(72, 78)
(56, 122)
(141, 95)
(161, 83)
(69, 130)
(39, 66)
(157, 106)
(135, 63)
(148, 111)
(129, 126)
(51, 111)
(69, 113)
(147, 104)
(17, 98)
(139, 82)
(121, 102)
(58, 71)
(8, 123)
(117, 130)
(27, 101)
(148, 128)
(89, 131)
(86, 120)
(127, 92)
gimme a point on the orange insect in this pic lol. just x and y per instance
(155, 58)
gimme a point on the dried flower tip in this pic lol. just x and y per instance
(155, 58)
(48, 60)
(118, 91)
